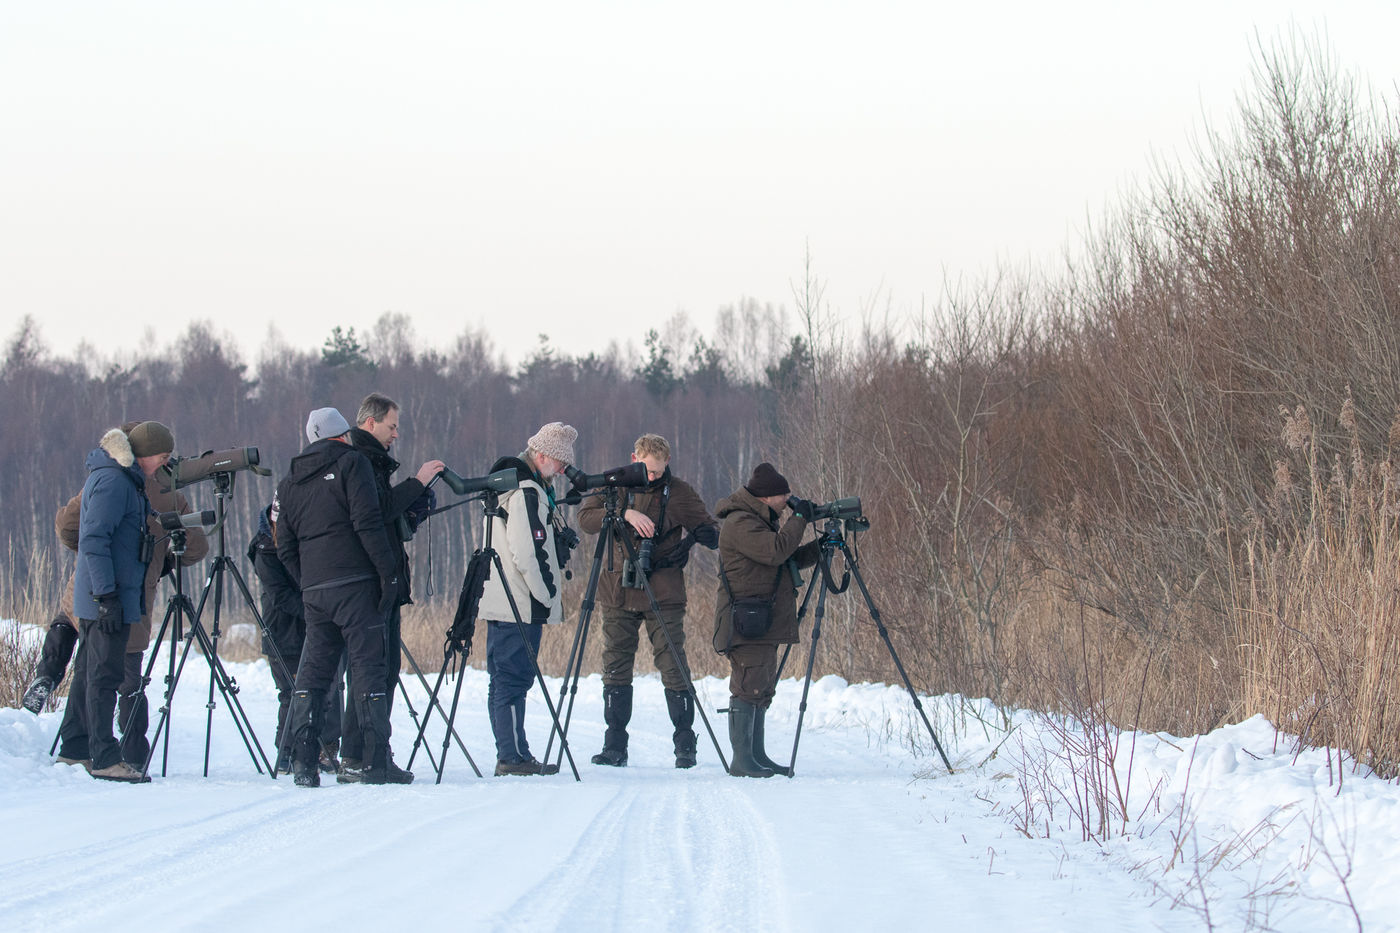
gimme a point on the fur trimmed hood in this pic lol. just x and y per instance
(118, 447)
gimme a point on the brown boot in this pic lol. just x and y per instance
(121, 771)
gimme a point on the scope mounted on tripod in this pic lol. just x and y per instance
(177, 521)
(633, 474)
(500, 481)
(180, 472)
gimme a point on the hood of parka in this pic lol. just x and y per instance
(113, 450)
(308, 464)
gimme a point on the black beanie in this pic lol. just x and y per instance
(767, 481)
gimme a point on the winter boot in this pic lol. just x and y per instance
(759, 755)
(378, 762)
(306, 726)
(329, 763)
(682, 709)
(617, 712)
(121, 771)
(38, 694)
(741, 719)
(523, 768)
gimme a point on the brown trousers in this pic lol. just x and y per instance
(620, 636)
(753, 673)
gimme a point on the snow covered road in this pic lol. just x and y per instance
(868, 836)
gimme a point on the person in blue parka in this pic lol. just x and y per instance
(108, 597)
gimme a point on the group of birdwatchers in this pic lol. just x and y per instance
(330, 555)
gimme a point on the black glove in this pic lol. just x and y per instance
(388, 595)
(802, 508)
(707, 536)
(109, 614)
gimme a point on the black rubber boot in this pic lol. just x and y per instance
(682, 709)
(617, 713)
(306, 744)
(759, 755)
(741, 718)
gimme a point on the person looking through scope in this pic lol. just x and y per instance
(113, 589)
(403, 505)
(659, 515)
(331, 538)
(62, 634)
(524, 530)
(758, 564)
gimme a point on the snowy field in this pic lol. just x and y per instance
(1225, 832)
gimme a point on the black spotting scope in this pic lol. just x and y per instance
(500, 481)
(633, 474)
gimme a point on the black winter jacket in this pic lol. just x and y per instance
(330, 530)
(396, 501)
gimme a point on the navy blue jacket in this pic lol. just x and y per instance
(110, 526)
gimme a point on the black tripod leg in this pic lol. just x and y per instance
(434, 704)
(452, 716)
(172, 680)
(884, 634)
(432, 701)
(534, 662)
(811, 659)
(801, 612)
(228, 688)
(585, 616)
(413, 714)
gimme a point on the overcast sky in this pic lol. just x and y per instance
(583, 169)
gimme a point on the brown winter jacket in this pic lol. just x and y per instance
(65, 525)
(759, 558)
(685, 511)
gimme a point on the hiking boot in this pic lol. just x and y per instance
(351, 771)
(329, 763)
(615, 757)
(38, 694)
(390, 773)
(526, 767)
(303, 776)
(121, 771)
(85, 762)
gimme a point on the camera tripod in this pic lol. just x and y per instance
(455, 650)
(833, 539)
(178, 608)
(613, 529)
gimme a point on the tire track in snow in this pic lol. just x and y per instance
(674, 858)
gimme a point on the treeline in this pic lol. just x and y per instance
(1156, 488)
(714, 398)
